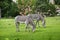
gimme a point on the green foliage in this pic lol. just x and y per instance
(44, 6)
(26, 3)
(52, 9)
(4, 6)
(22, 4)
(13, 10)
(9, 8)
(57, 2)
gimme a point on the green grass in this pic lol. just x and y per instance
(51, 32)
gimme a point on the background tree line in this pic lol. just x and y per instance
(10, 8)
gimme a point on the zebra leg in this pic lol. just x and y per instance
(26, 26)
(33, 26)
(27, 23)
(43, 23)
(38, 23)
(17, 26)
(33, 29)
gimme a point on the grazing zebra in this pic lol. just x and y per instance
(25, 19)
(38, 17)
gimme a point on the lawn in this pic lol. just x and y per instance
(51, 32)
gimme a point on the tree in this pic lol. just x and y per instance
(57, 2)
(40, 4)
(44, 6)
(0, 12)
(29, 4)
(8, 8)
(5, 6)
(13, 10)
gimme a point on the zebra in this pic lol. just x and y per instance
(25, 19)
(38, 17)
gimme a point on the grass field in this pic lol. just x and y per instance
(51, 32)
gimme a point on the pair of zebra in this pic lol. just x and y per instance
(29, 20)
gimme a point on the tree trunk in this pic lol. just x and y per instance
(0, 12)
